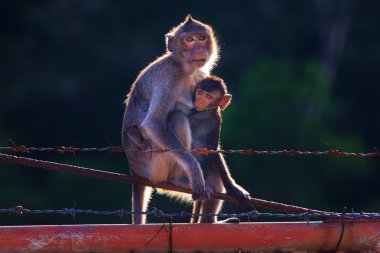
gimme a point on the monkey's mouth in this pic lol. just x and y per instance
(198, 63)
(199, 60)
(198, 109)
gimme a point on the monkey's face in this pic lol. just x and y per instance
(206, 100)
(196, 48)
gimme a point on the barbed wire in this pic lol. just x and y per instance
(201, 151)
(159, 213)
(118, 177)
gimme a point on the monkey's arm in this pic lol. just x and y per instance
(229, 183)
(218, 161)
(156, 128)
(155, 125)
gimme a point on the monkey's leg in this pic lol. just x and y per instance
(214, 182)
(134, 134)
(140, 198)
(210, 206)
(196, 210)
(162, 134)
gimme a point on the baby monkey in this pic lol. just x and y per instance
(210, 98)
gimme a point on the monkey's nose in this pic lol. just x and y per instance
(198, 49)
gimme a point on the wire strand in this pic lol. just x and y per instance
(201, 151)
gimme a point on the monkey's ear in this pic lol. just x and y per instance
(169, 42)
(226, 100)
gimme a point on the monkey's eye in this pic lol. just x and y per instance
(199, 92)
(189, 39)
(202, 37)
(208, 96)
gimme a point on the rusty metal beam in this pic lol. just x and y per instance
(289, 236)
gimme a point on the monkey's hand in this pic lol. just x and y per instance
(238, 192)
(199, 191)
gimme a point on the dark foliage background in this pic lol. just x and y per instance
(302, 74)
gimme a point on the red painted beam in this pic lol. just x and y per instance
(290, 236)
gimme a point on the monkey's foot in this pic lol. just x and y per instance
(208, 192)
(230, 220)
(206, 195)
(198, 185)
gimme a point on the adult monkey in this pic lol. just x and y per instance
(159, 103)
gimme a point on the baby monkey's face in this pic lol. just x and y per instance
(206, 100)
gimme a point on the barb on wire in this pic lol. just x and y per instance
(19, 210)
(202, 151)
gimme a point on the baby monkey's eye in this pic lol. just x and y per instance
(208, 96)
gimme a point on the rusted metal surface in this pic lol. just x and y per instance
(246, 237)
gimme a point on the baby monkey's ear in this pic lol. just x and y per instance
(226, 100)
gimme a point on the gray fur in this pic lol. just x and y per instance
(164, 88)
